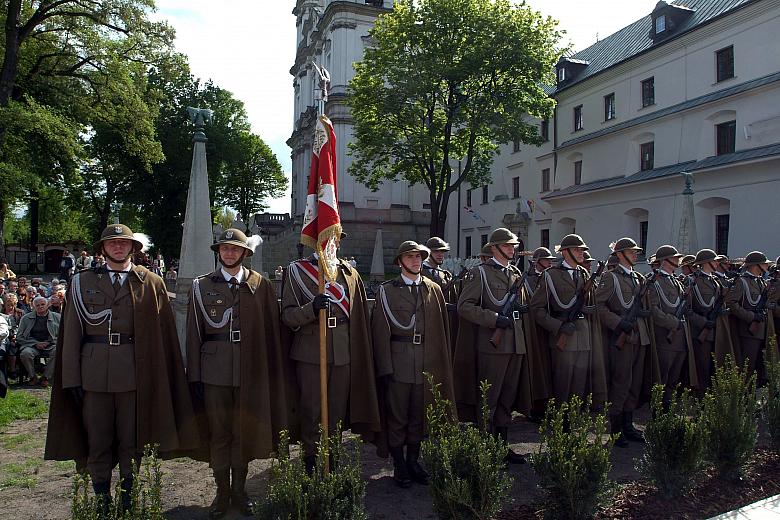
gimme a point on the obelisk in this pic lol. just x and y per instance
(196, 258)
(378, 259)
(687, 239)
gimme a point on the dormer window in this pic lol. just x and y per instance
(660, 24)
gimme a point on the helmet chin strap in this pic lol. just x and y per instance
(234, 264)
(501, 252)
(567, 252)
(114, 260)
(406, 268)
(623, 254)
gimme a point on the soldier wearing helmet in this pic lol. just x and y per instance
(503, 365)
(236, 368)
(615, 295)
(410, 338)
(119, 371)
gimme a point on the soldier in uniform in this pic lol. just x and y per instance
(615, 295)
(688, 265)
(541, 259)
(575, 369)
(235, 364)
(486, 253)
(410, 337)
(612, 262)
(670, 332)
(352, 398)
(706, 291)
(119, 380)
(741, 299)
(431, 269)
(503, 365)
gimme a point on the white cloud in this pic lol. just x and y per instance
(248, 47)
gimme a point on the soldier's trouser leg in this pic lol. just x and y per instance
(309, 406)
(751, 352)
(405, 408)
(637, 378)
(703, 352)
(221, 404)
(109, 416)
(502, 371)
(569, 373)
(670, 363)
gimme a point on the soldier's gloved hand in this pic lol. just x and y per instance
(197, 390)
(502, 322)
(625, 326)
(77, 393)
(709, 324)
(452, 307)
(567, 328)
(759, 317)
(320, 302)
(723, 311)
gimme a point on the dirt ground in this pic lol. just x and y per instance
(31, 488)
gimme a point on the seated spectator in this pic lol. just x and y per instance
(55, 303)
(26, 301)
(40, 286)
(37, 336)
(171, 274)
(279, 272)
(84, 261)
(97, 261)
(13, 286)
(23, 283)
(2, 289)
(6, 273)
(12, 315)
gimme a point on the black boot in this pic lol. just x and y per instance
(511, 457)
(221, 502)
(309, 462)
(629, 431)
(400, 472)
(416, 472)
(238, 497)
(615, 428)
(127, 490)
(102, 498)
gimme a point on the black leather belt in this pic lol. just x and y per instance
(415, 339)
(233, 337)
(115, 338)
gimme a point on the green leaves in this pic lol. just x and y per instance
(448, 79)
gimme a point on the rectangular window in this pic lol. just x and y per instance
(578, 118)
(545, 238)
(648, 92)
(724, 63)
(643, 235)
(726, 137)
(646, 156)
(544, 130)
(468, 247)
(468, 197)
(578, 172)
(722, 234)
(515, 187)
(483, 241)
(561, 75)
(546, 179)
(516, 146)
(609, 107)
(484, 194)
(660, 24)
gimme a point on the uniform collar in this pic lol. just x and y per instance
(408, 281)
(227, 276)
(499, 264)
(628, 271)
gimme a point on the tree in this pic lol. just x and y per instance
(251, 175)
(448, 80)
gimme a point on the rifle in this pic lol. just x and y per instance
(760, 307)
(681, 309)
(508, 309)
(576, 310)
(455, 279)
(632, 314)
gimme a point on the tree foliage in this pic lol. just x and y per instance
(447, 80)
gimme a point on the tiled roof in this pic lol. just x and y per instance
(675, 109)
(667, 171)
(634, 39)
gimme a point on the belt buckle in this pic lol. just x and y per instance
(417, 339)
(515, 315)
(235, 336)
(332, 322)
(114, 339)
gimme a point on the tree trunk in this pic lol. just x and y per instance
(11, 54)
(438, 224)
(3, 212)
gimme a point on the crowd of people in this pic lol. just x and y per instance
(564, 327)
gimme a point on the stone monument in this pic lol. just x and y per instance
(196, 258)
(378, 261)
(687, 238)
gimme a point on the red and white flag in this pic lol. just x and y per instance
(321, 222)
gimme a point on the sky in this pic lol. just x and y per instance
(248, 47)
